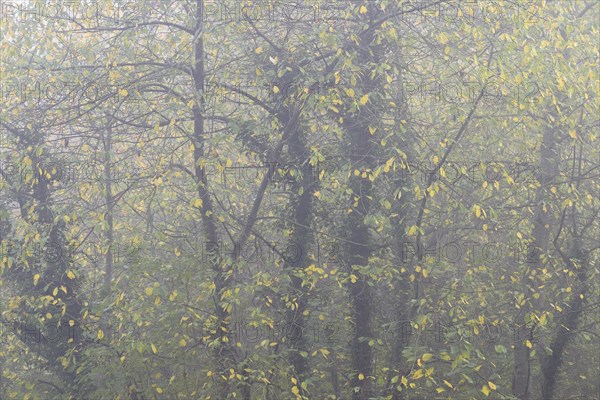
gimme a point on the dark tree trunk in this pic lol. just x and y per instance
(358, 246)
(303, 189)
(54, 341)
(523, 332)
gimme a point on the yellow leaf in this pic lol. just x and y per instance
(353, 278)
(100, 334)
(361, 377)
(198, 203)
(492, 385)
(448, 384)
(123, 92)
(485, 390)
(485, 227)
(436, 160)
(350, 92)
(275, 89)
(153, 347)
(149, 291)
(427, 356)
(159, 390)
(412, 230)
(258, 50)
(36, 278)
(363, 100)
(70, 275)
(404, 381)
(573, 134)
(362, 10)
(443, 38)
(528, 344)
(182, 343)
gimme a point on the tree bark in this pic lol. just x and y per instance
(303, 189)
(523, 331)
(358, 246)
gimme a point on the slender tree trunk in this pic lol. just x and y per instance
(523, 332)
(577, 261)
(566, 328)
(358, 251)
(108, 199)
(303, 189)
(225, 354)
(400, 221)
(358, 247)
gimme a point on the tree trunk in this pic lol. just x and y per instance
(523, 332)
(60, 341)
(303, 189)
